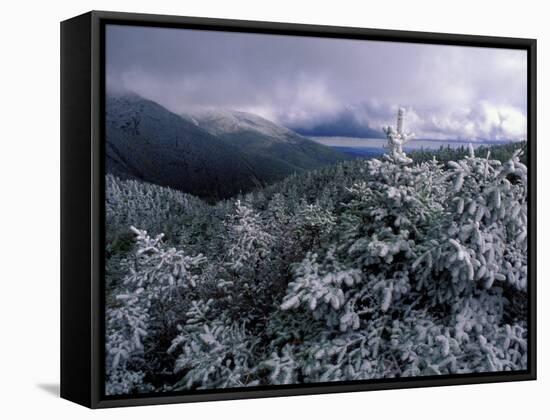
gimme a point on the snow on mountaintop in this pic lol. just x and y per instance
(229, 121)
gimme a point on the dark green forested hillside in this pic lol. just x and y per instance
(147, 142)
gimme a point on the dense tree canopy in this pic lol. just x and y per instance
(365, 269)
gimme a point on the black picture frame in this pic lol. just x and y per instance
(82, 205)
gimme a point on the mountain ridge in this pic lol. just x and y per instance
(269, 146)
(216, 155)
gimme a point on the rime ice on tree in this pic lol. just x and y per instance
(397, 138)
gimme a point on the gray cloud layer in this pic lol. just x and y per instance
(450, 92)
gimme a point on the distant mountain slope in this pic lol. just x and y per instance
(273, 150)
(146, 141)
(213, 155)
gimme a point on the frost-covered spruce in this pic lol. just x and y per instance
(155, 286)
(249, 240)
(425, 236)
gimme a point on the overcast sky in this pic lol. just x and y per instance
(301, 82)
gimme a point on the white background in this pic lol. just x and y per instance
(29, 211)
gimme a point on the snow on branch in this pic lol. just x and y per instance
(397, 138)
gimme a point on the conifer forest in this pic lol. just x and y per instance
(327, 268)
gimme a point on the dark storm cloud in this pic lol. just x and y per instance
(306, 82)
